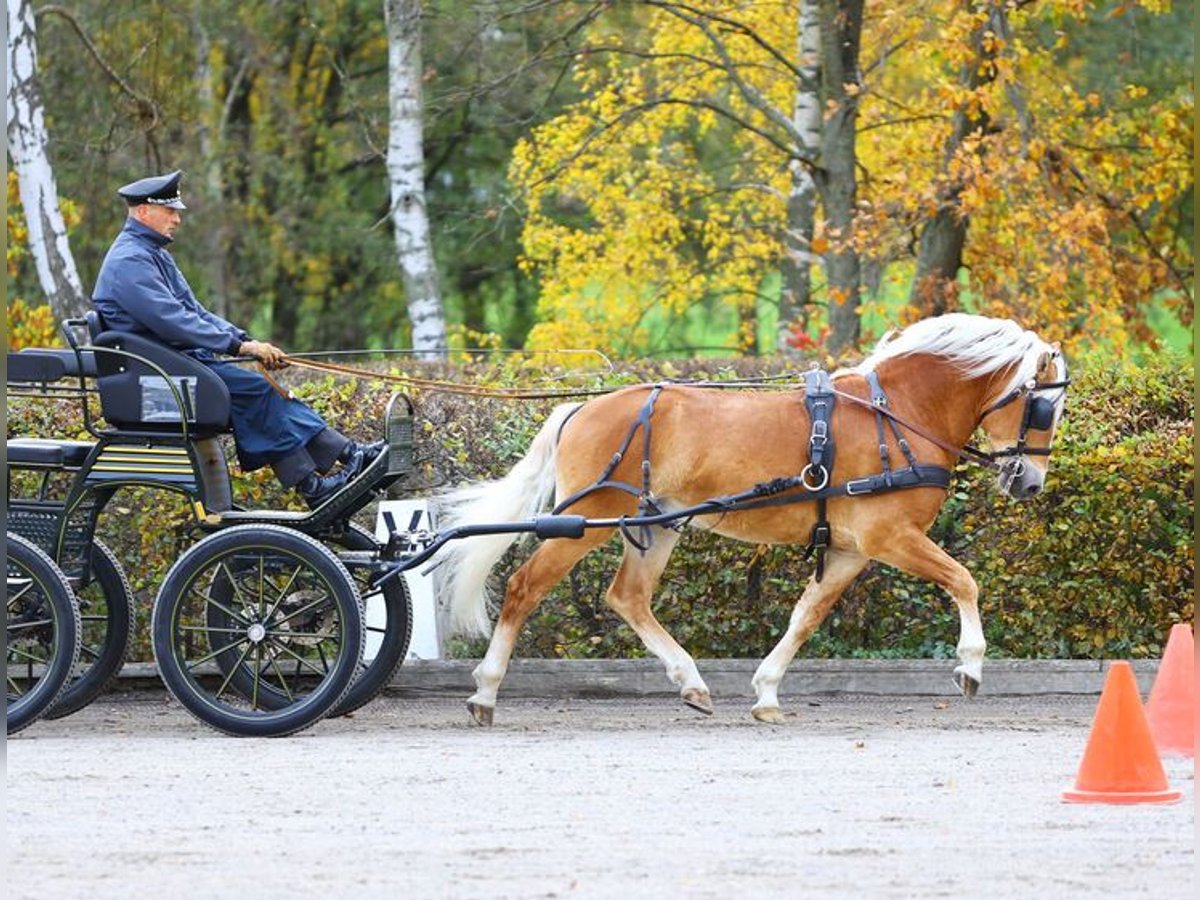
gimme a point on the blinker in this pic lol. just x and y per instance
(1040, 414)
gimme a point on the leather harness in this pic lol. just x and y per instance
(811, 485)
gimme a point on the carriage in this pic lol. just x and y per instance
(258, 629)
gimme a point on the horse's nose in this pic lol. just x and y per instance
(1032, 490)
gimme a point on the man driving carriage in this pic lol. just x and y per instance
(140, 289)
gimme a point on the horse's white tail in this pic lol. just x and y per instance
(522, 493)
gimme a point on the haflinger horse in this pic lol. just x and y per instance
(645, 453)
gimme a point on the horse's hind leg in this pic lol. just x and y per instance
(629, 595)
(914, 553)
(526, 588)
(841, 567)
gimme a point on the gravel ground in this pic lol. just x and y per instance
(851, 797)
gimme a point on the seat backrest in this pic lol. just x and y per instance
(95, 323)
(133, 395)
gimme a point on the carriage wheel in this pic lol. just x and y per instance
(42, 632)
(388, 620)
(388, 613)
(290, 616)
(106, 613)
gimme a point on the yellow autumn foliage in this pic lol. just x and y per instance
(666, 185)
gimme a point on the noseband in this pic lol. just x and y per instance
(1038, 415)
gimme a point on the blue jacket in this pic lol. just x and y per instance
(141, 290)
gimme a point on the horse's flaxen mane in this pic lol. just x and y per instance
(976, 344)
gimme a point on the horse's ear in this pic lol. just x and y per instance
(1045, 361)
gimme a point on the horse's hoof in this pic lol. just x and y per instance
(966, 684)
(772, 715)
(699, 700)
(480, 714)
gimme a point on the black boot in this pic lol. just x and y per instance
(370, 452)
(316, 489)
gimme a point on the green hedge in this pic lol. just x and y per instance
(1099, 565)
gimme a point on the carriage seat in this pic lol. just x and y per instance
(135, 397)
(45, 365)
(47, 454)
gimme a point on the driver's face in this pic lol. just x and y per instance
(163, 219)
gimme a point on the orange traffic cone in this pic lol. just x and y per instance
(1120, 764)
(1171, 710)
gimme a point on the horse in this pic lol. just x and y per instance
(933, 384)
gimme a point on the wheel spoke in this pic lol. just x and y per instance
(232, 670)
(237, 589)
(318, 602)
(300, 660)
(25, 586)
(15, 688)
(283, 592)
(258, 649)
(282, 679)
(223, 608)
(25, 626)
(27, 655)
(218, 652)
(319, 635)
(212, 629)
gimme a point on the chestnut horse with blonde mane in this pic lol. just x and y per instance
(944, 378)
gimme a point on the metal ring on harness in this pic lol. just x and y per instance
(804, 476)
(1011, 471)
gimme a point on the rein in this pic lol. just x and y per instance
(990, 460)
(974, 454)
(445, 387)
(779, 382)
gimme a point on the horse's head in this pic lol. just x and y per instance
(1020, 424)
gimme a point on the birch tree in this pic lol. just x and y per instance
(28, 145)
(802, 199)
(406, 174)
(841, 80)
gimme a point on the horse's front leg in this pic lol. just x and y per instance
(914, 553)
(841, 568)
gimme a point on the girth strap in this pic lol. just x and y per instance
(819, 399)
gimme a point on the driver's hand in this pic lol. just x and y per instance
(267, 354)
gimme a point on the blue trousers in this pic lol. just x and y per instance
(271, 430)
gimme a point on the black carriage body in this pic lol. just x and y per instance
(163, 414)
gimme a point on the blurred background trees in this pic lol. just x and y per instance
(631, 176)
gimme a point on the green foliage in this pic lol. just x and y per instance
(1099, 565)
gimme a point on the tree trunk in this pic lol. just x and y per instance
(406, 172)
(841, 29)
(935, 284)
(28, 146)
(802, 199)
(212, 188)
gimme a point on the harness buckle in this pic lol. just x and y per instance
(820, 433)
(853, 489)
(820, 537)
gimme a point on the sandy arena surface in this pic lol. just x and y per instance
(851, 797)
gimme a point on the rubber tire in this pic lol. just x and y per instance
(397, 635)
(26, 557)
(192, 695)
(94, 674)
(371, 678)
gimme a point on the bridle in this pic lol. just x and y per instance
(1038, 415)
